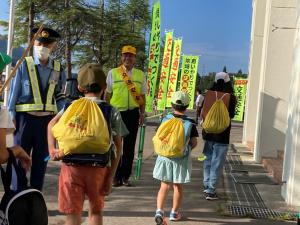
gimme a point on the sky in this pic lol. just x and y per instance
(216, 30)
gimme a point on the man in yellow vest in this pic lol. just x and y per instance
(126, 88)
(34, 96)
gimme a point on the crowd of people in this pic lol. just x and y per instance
(36, 103)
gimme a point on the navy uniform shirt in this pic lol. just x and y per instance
(20, 90)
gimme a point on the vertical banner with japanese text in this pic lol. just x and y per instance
(240, 90)
(164, 73)
(154, 55)
(174, 70)
(189, 69)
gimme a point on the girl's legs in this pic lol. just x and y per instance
(95, 218)
(177, 197)
(73, 219)
(162, 195)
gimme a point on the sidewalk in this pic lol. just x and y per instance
(136, 205)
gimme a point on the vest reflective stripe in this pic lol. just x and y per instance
(34, 81)
(121, 97)
(52, 83)
(37, 104)
(29, 107)
(56, 66)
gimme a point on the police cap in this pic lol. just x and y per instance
(47, 35)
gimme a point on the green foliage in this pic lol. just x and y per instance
(93, 31)
(206, 82)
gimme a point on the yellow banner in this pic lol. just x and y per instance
(174, 70)
(165, 71)
(154, 57)
(188, 76)
(240, 90)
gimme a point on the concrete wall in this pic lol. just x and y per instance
(275, 77)
(257, 32)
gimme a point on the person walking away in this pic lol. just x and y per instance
(7, 127)
(216, 145)
(126, 88)
(74, 183)
(175, 171)
(35, 94)
(199, 104)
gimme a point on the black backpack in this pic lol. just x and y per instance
(23, 205)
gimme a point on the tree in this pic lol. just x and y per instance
(93, 31)
(224, 69)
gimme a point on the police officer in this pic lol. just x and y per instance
(126, 88)
(35, 96)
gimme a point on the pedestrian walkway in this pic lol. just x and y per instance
(137, 204)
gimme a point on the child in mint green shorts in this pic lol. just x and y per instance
(173, 172)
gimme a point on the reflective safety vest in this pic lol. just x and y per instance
(40, 102)
(121, 97)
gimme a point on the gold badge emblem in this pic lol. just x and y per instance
(44, 34)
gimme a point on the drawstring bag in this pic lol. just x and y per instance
(82, 129)
(217, 118)
(171, 138)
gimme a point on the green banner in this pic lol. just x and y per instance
(165, 72)
(240, 89)
(188, 77)
(154, 57)
(174, 70)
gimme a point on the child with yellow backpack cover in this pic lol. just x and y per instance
(89, 135)
(173, 142)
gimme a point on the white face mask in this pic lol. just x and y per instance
(41, 52)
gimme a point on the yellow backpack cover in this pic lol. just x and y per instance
(171, 137)
(217, 118)
(82, 129)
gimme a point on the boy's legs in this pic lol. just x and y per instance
(73, 219)
(177, 197)
(95, 218)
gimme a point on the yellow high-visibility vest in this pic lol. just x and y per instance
(121, 97)
(38, 104)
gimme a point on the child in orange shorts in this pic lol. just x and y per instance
(79, 180)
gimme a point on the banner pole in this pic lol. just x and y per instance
(138, 165)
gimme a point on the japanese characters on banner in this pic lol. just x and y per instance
(188, 77)
(165, 71)
(154, 56)
(240, 89)
(174, 70)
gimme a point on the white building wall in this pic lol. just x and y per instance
(275, 77)
(257, 32)
(291, 166)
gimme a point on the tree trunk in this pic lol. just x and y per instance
(101, 38)
(68, 47)
(31, 15)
